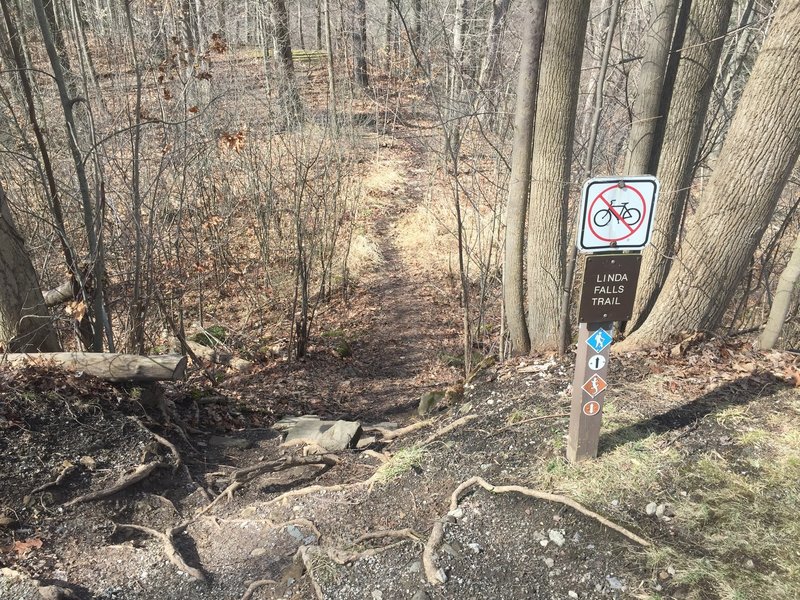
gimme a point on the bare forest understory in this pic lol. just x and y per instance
(185, 490)
(361, 247)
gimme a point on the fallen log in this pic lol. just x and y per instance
(108, 366)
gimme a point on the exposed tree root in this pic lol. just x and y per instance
(531, 420)
(435, 575)
(255, 585)
(169, 547)
(137, 475)
(65, 472)
(388, 435)
(247, 474)
(164, 442)
(312, 489)
(305, 556)
(448, 428)
(406, 533)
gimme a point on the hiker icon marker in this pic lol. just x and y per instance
(599, 340)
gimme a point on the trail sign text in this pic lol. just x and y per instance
(609, 287)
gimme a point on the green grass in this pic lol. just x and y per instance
(401, 463)
(736, 533)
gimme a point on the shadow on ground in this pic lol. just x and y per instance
(735, 393)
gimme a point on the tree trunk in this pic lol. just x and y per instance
(519, 182)
(91, 228)
(331, 70)
(318, 28)
(490, 59)
(556, 104)
(588, 167)
(283, 51)
(389, 25)
(757, 158)
(24, 319)
(694, 83)
(681, 25)
(416, 32)
(787, 284)
(360, 73)
(651, 80)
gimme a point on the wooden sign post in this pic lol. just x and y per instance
(616, 214)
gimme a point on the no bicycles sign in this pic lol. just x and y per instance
(617, 213)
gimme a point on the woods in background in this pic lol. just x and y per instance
(159, 159)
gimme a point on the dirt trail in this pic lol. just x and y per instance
(407, 318)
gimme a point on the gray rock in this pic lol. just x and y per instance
(615, 583)
(456, 513)
(295, 532)
(650, 509)
(331, 435)
(414, 567)
(366, 442)
(665, 511)
(421, 595)
(549, 562)
(377, 595)
(572, 594)
(258, 552)
(556, 537)
(427, 401)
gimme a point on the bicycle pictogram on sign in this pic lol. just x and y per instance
(617, 213)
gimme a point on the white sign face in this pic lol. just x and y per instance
(617, 213)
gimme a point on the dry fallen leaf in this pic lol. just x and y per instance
(22, 547)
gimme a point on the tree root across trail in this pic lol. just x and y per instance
(169, 546)
(436, 576)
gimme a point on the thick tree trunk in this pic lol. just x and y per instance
(787, 284)
(651, 80)
(519, 183)
(111, 367)
(556, 104)
(360, 73)
(694, 83)
(757, 158)
(565, 329)
(24, 319)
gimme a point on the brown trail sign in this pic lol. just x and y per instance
(616, 214)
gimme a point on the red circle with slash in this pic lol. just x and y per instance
(605, 205)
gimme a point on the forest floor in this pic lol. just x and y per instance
(693, 495)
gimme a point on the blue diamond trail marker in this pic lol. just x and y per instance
(599, 340)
